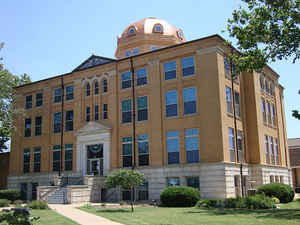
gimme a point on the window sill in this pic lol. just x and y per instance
(188, 76)
(191, 114)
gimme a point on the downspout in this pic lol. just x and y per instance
(62, 128)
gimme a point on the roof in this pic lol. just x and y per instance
(294, 142)
(92, 61)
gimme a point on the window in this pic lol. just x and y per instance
(173, 181)
(143, 191)
(68, 157)
(231, 144)
(142, 105)
(28, 104)
(141, 76)
(264, 110)
(27, 127)
(69, 92)
(135, 51)
(127, 151)
(26, 160)
(88, 89)
(170, 70)
(276, 152)
(189, 98)
(269, 113)
(57, 122)
(273, 115)
(96, 113)
(180, 34)
(96, 88)
(131, 31)
(105, 111)
(192, 145)
(237, 104)
(171, 103)
(126, 111)
(272, 150)
(154, 48)
(193, 182)
(56, 158)
(272, 88)
(228, 100)
(69, 120)
(226, 67)
(143, 146)
(127, 53)
(88, 114)
(38, 126)
(126, 80)
(57, 95)
(261, 81)
(158, 28)
(173, 147)
(267, 149)
(39, 99)
(240, 145)
(187, 65)
(266, 86)
(37, 159)
(104, 86)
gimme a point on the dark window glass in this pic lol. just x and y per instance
(26, 161)
(189, 98)
(141, 76)
(37, 159)
(240, 144)
(187, 65)
(192, 145)
(142, 105)
(56, 158)
(105, 111)
(126, 111)
(69, 92)
(267, 149)
(57, 95)
(88, 89)
(96, 88)
(104, 84)
(143, 147)
(173, 181)
(27, 127)
(226, 66)
(193, 182)
(39, 99)
(88, 114)
(127, 151)
(170, 70)
(171, 103)
(173, 147)
(38, 126)
(28, 104)
(228, 100)
(143, 191)
(57, 122)
(231, 144)
(96, 113)
(69, 120)
(68, 157)
(273, 115)
(126, 80)
(263, 106)
(237, 104)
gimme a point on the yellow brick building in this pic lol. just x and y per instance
(184, 121)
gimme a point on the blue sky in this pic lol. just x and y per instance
(47, 38)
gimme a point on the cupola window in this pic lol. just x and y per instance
(180, 34)
(131, 31)
(158, 28)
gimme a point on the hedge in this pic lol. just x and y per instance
(283, 192)
(11, 195)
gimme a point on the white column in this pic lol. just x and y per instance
(106, 157)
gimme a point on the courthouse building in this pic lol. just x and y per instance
(80, 124)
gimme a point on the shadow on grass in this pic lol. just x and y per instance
(113, 211)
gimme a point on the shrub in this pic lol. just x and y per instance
(122, 202)
(275, 200)
(11, 195)
(180, 196)
(18, 202)
(233, 203)
(210, 203)
(37, 204)
(4, 202)
(259, 202)
(283, 192)
(17, 217)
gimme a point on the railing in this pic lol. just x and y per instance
(71, 180)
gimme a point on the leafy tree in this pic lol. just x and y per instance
(126, 179)
(8, 82)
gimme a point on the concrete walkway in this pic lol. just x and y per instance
(80, 216)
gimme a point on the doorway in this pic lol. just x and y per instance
(95, 160)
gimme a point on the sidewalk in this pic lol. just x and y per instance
(80, 216)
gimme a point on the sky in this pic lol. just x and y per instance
(52, 37)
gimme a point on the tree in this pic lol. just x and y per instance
(126, 180)
(266, 31)
(8, 113)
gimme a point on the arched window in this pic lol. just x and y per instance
(88, 89)
(104, 85)
(158, 28)
(131, 31)
(96, 88)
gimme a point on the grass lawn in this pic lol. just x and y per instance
(288, 214)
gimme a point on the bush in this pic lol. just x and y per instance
(275, 200)
(283, 192)
(210, 203)
(37, 204)
(233, 203)
(18, 202)
(259, 202)
(17, 217)
(11, 195)
(4, 202)
(180, 196)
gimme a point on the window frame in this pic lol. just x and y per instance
(141, 75)
(68, 149)
(143, 138)
(189, 73)
(171, 70)
(88, 90)
(28, 101)
(169, 106)
(57, 125)
(96, 112)
(96, 87)
(26, 160)
(39, 99)
(104, 85)
(105, 111)
(27, 130)
(38, 126)
(231, 137)
(58, 95)
(55, 149)
(173, 135)
(127, 142)
(126, 112)
(37, 159)
(185, 102)
(69, 94)
(229, 108)
(142, 111)
(88, 114)
(126, 82)
(192, 135)
(69, 120)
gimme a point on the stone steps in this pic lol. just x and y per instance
(58, 197)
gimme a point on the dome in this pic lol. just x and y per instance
(146, 35)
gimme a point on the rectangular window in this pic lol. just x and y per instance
(276, 152)
(27, 127)
(193, 182)
(135, 51)
(38, 126)
(142, 105)
(127, 151)
(173, 181)
(170, 70)
(88, 114)
(37, 159)
(68, 157)
(141, 76)
(126, 111)
(57, 122)
(57, 95)
(189, 98)
(272, 150)
(273, 115)
(143, 146)
(143, 191)
(28, 104)
(173, 147)
(96, 113)
(240, 145)
(266, 85)
(263, 106)
(269, 113)
(105, 111)
(39, 99)
(237, 104)
(267, 149)
(126, 80)
(188, 67)
(69, 92)
(231, 144)
(171, 103)
(127, 53)
(261, 81)
(104, 86)
(56, 158)
(26, 160)
(229, 100)
(69, 120)
(226, 67)
(192, 145)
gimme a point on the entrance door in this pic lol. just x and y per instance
(95, 160)
(33, 191)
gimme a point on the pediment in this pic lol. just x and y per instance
(92, 61)
(93, 127)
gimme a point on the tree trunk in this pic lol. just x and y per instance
(132, 196)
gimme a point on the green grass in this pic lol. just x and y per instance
(288, 214)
